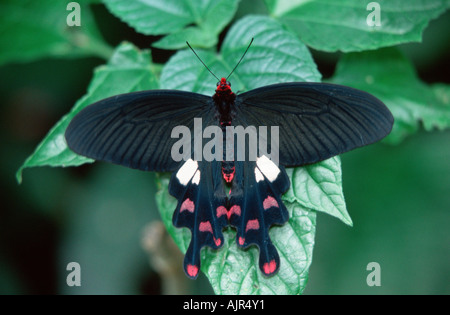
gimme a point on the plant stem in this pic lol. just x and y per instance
(99, 48)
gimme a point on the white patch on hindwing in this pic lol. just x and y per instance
(258, 175)
(186, 172)
(196, 178)
(268, 168)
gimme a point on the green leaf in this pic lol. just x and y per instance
(35, 29)
(196, 36)
(319, 187)
(442, 93)
(275, 56)
(388, 75)
(128, 70)
(331, 25)
(176, 17)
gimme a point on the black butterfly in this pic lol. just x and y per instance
(316, 121)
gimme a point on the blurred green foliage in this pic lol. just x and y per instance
(95, 215)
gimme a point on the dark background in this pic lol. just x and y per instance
(397, 196)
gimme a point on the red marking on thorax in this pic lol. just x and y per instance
(223, 86)
(270, 202)
(188, 205)
(224, 100)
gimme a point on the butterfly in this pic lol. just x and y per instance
(314, 121)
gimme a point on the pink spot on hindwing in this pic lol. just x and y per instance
(252, 225)
(234, 210)
(220, 211)
(188, 205)
(192, 270)
(205, 227)
(241, 240)
(270, 202)
(270, 267)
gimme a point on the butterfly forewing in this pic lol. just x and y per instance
(316, 120)
(134, 129)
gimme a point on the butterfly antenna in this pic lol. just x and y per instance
(241, 58)
(202, 61)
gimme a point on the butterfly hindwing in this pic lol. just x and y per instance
(201, 208)
(255, 205)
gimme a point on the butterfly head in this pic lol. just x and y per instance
(223, 87)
